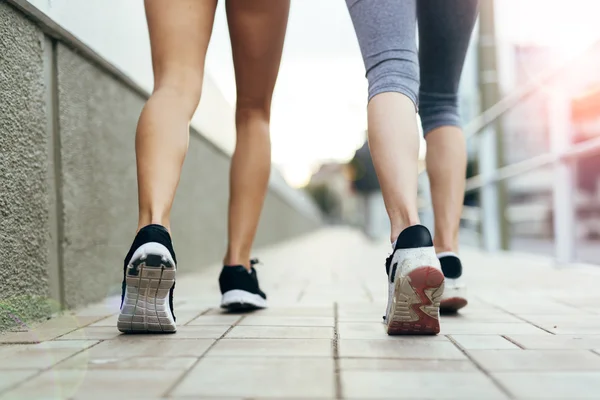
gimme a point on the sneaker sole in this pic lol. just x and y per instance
(416, 304)
(453, 304)
(146, 308)
(240, 300)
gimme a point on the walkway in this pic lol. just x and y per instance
(530, 332)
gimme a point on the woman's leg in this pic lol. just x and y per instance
(444, 33)
(179, 34)
(386, 32)
(257, 29)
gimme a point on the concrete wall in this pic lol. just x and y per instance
(24, 198)
(68, 197)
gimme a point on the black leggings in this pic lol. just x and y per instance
(386, 31)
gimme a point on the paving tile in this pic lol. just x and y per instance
(559, 385)
(480, 316)
(361, 311)
(538, 307)
(49, 330)
(279, 378)
(557, 342)
(280, 332)
(66, 384)
(214, 320)
(483, 342)
(574, 329)
(119, 351)
(386, 364)
(32, 336)
(409, 347)
(221, 398)
(324, 311)
(85, 361)
(195, 332)
(273, 348)
(92, 333)
(490, 328)
(566, 324)
(40, 356)
(536, 360)
(364, 330)
(10, 378)
(258, 320)
(418, 385)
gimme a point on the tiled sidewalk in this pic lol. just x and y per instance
(530, 332)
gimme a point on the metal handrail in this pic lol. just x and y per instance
(493, 113)
(560, 158)
(587, 148)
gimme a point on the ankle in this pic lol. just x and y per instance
(399, 226)
(237, 258)
(149, 218)
(445, 247)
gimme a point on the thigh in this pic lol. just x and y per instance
(445, 29)
(386, 29)
(179, 34)
(257, 29)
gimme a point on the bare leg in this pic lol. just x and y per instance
(394, 144)
(179, 34)
(386, 35)
(446, 165)
(257, 29)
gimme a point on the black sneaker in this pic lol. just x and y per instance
(455, 290)
(240, 288)
(148, 283)
(415, 285)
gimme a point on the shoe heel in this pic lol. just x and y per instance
(146, 304)
(416, 304)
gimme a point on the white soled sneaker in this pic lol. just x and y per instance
(148, 283)
(416, 283)
(455, 291)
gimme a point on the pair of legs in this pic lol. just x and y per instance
(423, 274)
(180, 32)
(402, 78)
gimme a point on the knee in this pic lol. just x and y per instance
(437, 110)
(183, 88)
(394, 73)
(252, 109)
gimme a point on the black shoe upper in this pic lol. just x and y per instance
(151, 233)
(411, 238)
(238, 278)
(451, 266)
